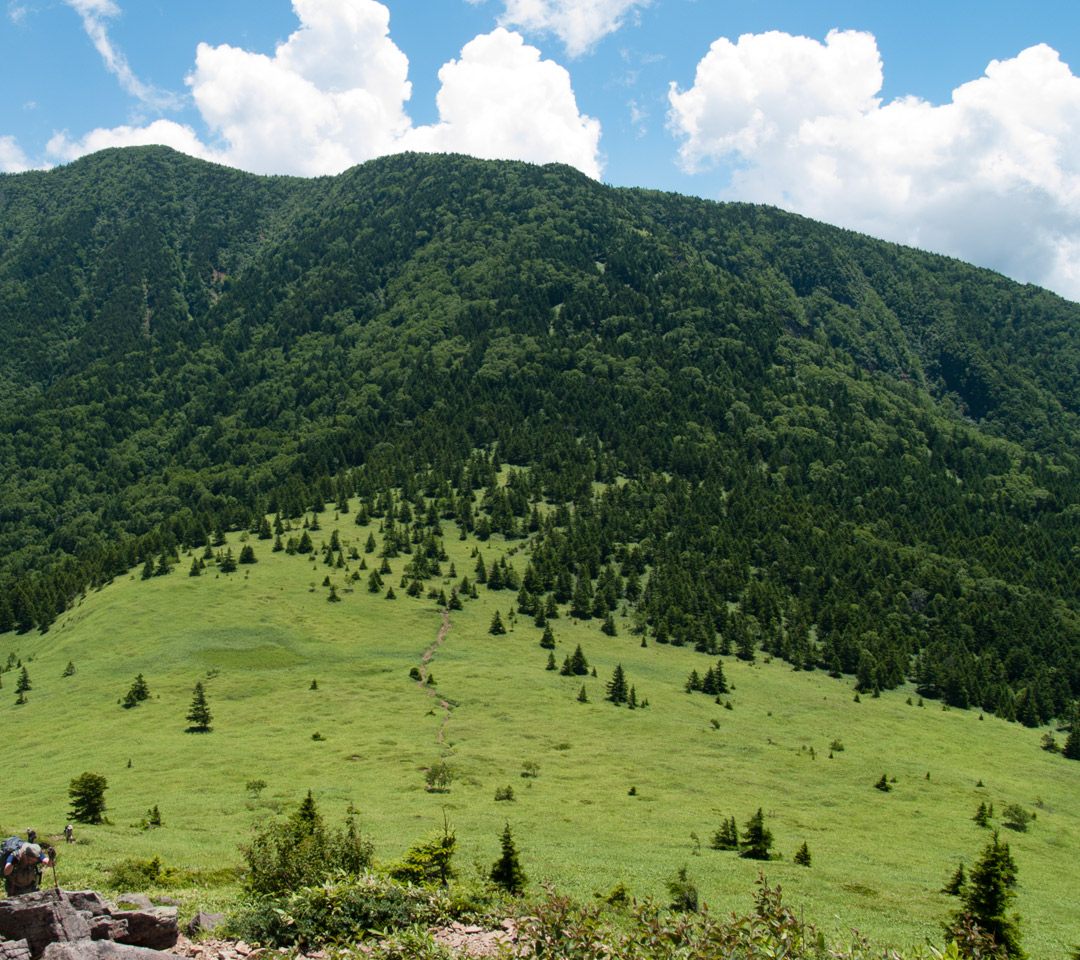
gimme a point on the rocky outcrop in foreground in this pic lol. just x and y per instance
(83, 925)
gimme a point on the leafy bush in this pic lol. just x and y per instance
(559, 929)
(428, 861)
(134, 874)
(1015, 817)
(439, 776)
(339, 909)
(302, 852)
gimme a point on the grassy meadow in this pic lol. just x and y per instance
(257, 638)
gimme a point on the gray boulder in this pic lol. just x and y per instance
(41, 918)
(51, 917)
(155, 928)
(102, 950)
(14, 950)
(203, 923)
(88, 901)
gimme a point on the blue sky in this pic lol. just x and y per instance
(954, 126)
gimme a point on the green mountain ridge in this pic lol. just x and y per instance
(847, 453)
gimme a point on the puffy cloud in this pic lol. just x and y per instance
(501, 101)
(12, 158)
(94, 13)
(579, 24)
(332, 95)
(164, 132)
(992, 177)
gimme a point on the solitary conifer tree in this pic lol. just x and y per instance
(578, 664)
(756, 839)
(22, 685)
(551, 662)
(954, 886)
(506, 871)
(802, 855)
(87, 793)
(1072, 744)
(617, 691)
(547, 641)
(990, 892)
(496, 627)
(583, 696)
(727, 837)
(199, 713)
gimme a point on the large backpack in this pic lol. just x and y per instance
(10, 845)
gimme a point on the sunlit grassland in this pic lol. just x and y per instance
(258, 637)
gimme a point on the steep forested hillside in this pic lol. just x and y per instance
(850, 454)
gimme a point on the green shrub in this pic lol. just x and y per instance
(429, 861)
(339, 909)
(302, 852)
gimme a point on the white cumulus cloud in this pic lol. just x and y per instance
(579, 24)
(992, 177)
(160, 132)
(12, 158)
(334, 93)
(501, 101)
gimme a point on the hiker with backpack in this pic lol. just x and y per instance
(23, 864)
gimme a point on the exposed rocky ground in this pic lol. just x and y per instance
(84, 925)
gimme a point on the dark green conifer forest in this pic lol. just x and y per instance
(762, 435)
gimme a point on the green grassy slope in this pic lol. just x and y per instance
(257, 638)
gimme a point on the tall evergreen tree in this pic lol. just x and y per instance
(1072, 743)
(506, 872)
(757, 839)
(617, 690)
(198, 716)
(991, 889)
(579, 666)
(727, 836)
(802, 855)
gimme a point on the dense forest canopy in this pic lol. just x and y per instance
(767, 434)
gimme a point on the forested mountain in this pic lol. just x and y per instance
(843, 452)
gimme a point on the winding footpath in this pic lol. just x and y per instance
(426, 659)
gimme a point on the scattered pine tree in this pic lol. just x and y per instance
(757, 839)
(991, 889)
(1071, 750)
(579, 666)
(506, 872)
(727, 837)
(199, 716)
(954, 886)
(617, 691)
